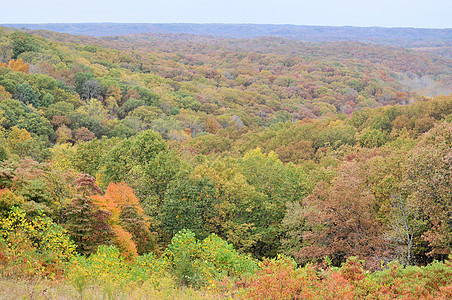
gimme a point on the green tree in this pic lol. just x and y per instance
(279, 184)
(189, 204)
(135, 151)
(23, 42)
(88, 155)
(26, 94)
(47, 100)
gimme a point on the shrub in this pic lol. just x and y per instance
(196, 263)
(36, 247)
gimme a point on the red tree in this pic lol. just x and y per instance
(340, 220)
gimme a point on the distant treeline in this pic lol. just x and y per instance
(405, 37)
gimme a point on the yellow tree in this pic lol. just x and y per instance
(4, 94)
(19, 141)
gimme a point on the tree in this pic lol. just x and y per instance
(3, 154)
(212, 125)
(240, 213)
(26, 94)
(129, 106)
(85, 185)
(340, 220)
(406, 223)
(30, 182)
(9, 200)
(152, 180)
(63, 134)
(4, 93)
(19, 66)
(23, 42)
(6, 49)
(88, 155)
(293, 226)
(189, 204)
(135, 222)
(121, 130)
(80, 79)
(37, 124)
(88, 225)
(19, 141)
(429, 181)
(372, 138)
(60, 184)
(82, 120)
(58, 121)
(94, 110)
(402, 218)
(47, 99)
(279, 185)
(127, 218)
(136, 151)
(296, 151)
(34, 246)
(83, 134)
(91, 89)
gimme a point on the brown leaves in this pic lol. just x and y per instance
(84, 134)
(341, 219)
(86, 185)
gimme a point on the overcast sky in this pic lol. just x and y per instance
(385, 13)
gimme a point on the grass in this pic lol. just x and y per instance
(46, 289)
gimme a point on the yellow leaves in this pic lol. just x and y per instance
(82, 61)
(4, 94)
(63, 134)
(94, 109)
(336, 123)
(99, 70)
(115, 92)
(179, 135)
(17, 136)
(40, 233)
(258, 154)
(273, 156)
(61, 156)
(254, 153)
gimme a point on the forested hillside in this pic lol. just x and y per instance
(403, 37)
(266, 168)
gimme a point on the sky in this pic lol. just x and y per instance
(384, 13)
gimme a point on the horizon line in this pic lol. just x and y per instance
(213, 23)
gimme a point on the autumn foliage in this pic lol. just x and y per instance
(18, 66)
(127, 218)
(257, 169)
(341, 219)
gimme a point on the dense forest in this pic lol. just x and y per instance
(174, 165)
